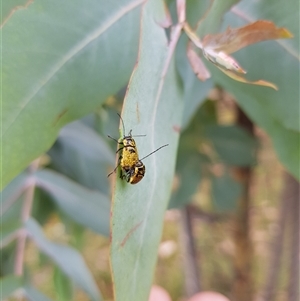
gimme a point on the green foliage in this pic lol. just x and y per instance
(225, 192)
(68, 259)
(57, 73)
(9, 285)
(89, 208)
(234, 145)
(154, 110)
(70, 63)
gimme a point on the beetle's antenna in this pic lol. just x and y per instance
(130, 130)
(122, 124)
(154, 151)
(113, 138)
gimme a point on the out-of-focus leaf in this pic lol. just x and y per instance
(88, 207)
(63, 286)
(14, 211)
(60, 67)
(68, 259)
(276, 112)
(189, 175)
(217, 47)
(211, 21)
(278, 60)
(196, 63)
(190, 162)
(14, 189)
(8, 231)
(234, 39)
(11, 200)
(225, 192)
(43, 206)
(241, 79)
(33, 294)
(153, 106)
(8, 8)
(81, 154)
(234, 145)
(9, 285)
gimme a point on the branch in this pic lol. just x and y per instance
(25, 215)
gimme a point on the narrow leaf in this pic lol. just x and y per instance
(33, 294)
(81, 154)
(212, 19)
(153, 106)
(63, 286)
(241, 79)
(8, 231)
(59, 68)
(234, 145)
(234, 39)
(88, 207)
(68, 259)
(9, 284)
(189, 178)
(225, 192)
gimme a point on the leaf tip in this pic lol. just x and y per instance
(286, 34)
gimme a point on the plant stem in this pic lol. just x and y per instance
(190, 266)
(25, 215)
(277, 245)
(294, 250)
(243, 284)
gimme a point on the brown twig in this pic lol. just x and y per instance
(243, 282)
(207, 217)
(25, 215)
(294, 250)
(277, 245)
(190, 266)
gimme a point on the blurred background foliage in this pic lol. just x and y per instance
(232, 195)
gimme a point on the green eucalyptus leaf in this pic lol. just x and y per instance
(8, 231)
(63, 286)
(33, 294)
(234, 145)
(225, 192)
(81, 154)
(189, 175)
(153, 106)
(60, 61)
(212, 20)
(9, 284)
(87, 207)
(67, 258)
(277, 112)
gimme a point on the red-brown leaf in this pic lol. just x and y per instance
(233, 39)
(196, 63)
